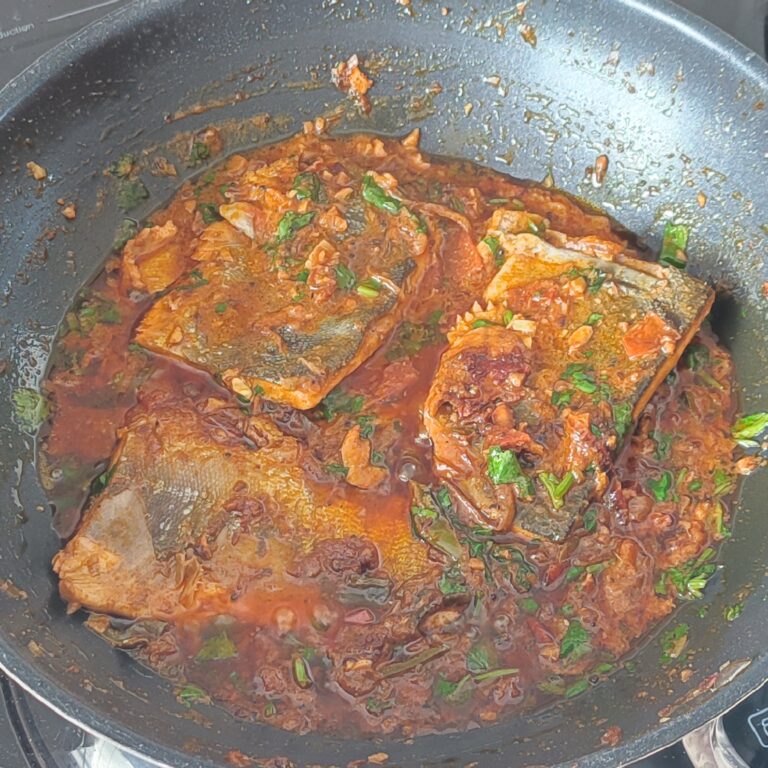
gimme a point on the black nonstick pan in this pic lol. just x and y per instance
(680, 109)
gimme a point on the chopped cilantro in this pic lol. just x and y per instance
(673, 246)
(696, 356)
(127, 230)
(578, 687)
(494, 246)
(130, 192)
(30, 407)
(477, 660)
(576, 642)
(198, 153)
(690, 578)
(123, 166)
(622, 417)
(290, 223)
(673, 642)
(221, 308)
(660, 486)
(345, 277)
(336, 469)
(307, 186)
(562, 397)
(209, 212)
(504, 468)
(582, 377)
(590, 519)
(376, 196)
(193, 694)
(529, 605)
(338, 401)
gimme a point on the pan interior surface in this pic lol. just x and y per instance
(679, 109)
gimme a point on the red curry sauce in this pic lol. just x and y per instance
(340, 642)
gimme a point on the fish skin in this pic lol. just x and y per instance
(548, 291)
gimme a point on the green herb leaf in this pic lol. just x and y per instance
(123, 166)
(494, 246)
(562, 397)
(529, 605)
(336, 469)
(451, 582)
(411, 338)
(456, 693)
(594, 318)
(660, 486)
(477, 660)
(290, 223)
(557, 488)
(127, 230)
(100, 482)
(732, 612)
(345, 277)
(696, 356)
(622, 418)
(376, 196)
(193, 694)
(130, 192)
(480, 323)
(673, 642)
(209, 212)
(369, 288)
(578, 687)
(307, 186)
(690, 578)
(338, 401)
(300, 670)
(663, 445)
(576, 641)
(30, 407)
(674, 245)
(582, 377)
(590, 519)
(302, 276)
(198, 154)
(221, 308)
(723, 482)
(217, 648)
(504, 468)
(750, 427)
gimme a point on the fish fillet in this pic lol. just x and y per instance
(538, 391)
(204, 503)
(294, 290)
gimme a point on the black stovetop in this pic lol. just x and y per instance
(31, 736)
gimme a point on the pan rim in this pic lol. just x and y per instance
(27, 675)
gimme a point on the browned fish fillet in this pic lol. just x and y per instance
(205, 503)
(537, 392)
(304, 278)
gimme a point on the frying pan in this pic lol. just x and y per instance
(677, 106)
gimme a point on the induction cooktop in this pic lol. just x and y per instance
(32, 736)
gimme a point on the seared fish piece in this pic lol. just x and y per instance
(206, 505)
(301, 282)
(536, 394)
